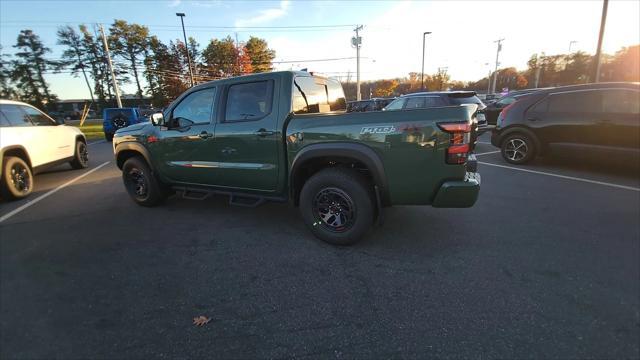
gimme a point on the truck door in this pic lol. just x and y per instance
(184, 150)
(247, 136)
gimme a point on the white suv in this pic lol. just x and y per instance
(31, 141)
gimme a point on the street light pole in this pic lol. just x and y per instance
(186, 46)
(424, 36)
(603, 21)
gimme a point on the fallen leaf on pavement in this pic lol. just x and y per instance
(200, 320)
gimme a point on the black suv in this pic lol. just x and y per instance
(494, 108)
(599, 116)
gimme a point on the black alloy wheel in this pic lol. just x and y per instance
(335, 209)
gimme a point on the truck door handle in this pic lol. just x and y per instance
(264, 132)
(205, 135)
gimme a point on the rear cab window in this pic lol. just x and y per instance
(463, 99)
(312, 94)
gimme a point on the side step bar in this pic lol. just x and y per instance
(236, 199)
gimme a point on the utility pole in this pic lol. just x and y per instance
(357, 42)
(495, 73)
(603, 21)
(186, 46)
(238, 52)
(424, 36)
(113, 75)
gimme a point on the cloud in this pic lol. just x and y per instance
(174, 3)
(265, 15)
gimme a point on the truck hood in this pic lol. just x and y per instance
(134, 127)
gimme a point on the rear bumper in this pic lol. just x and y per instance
(458, 194)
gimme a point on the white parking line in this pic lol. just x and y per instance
(488, 152)
(50, 192)
(563, 176)
(96, 142)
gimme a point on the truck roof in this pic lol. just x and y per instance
(260, 76)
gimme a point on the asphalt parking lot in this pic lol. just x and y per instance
(546, 265)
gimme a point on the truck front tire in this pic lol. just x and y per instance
(337, 205)
(141, 184)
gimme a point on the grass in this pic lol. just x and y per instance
(93, 131)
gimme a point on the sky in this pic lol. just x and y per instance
(462, 38)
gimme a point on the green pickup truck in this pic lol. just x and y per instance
(285, 136)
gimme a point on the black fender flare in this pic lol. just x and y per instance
(358, 152)
(135, 147)
(519, 129)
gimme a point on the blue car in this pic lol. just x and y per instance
(118, 118)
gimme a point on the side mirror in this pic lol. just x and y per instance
(157, 119)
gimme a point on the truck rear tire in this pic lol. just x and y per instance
(337, 205)
(16, 181)
(141, 184)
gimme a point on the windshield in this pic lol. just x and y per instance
(395, 104)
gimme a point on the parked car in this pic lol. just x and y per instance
(31, 141)
(600, 116)
(494, 108)
(375, 104)
(285, 136)
(118, 118)
(422, 100)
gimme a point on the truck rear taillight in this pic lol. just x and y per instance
(459, 148)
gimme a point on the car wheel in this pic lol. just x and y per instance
(81, 156)
(17, 179)
(337, 205)
(108, 137)
(141, 184)
(518, 149)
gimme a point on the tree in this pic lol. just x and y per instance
(6, 90)
(383, 88)
(221, 58)
(75, 55)
(129, 42)
(29, 68)
(625, 65)
(259, 55)
(166, 67)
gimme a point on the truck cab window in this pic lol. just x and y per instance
(249, 101)
(197, 107)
